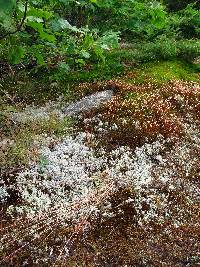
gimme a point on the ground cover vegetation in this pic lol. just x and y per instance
(115, 185)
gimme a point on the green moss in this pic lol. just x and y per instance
(163, 71)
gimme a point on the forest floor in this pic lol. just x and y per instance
(116, 186)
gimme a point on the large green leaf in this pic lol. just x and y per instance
(37, 26)
(39, 58)
(47, 37)
(39, 13)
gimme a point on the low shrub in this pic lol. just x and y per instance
(165, 48)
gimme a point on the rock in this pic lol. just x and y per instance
(88, 103)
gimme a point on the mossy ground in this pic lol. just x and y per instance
(160, 72)
(118, 241)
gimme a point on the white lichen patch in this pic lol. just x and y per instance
(69, 172)
(72, 170)
(3, 194)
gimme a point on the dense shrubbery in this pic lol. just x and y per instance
(69, 35)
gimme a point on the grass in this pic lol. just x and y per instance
(158, 72)
(143, 60)
(18, 146)
(174, 63)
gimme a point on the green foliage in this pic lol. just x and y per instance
(189, 49)
(65, 37)
(15, 55)
(5, 14)
(190, 22)
(47, 39)
(6, 7)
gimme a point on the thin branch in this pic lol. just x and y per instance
(19, 27)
